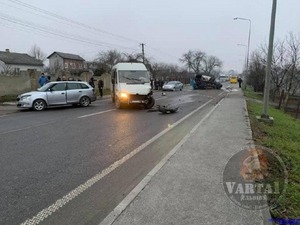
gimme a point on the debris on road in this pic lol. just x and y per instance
(165, 109)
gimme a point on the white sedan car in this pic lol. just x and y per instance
(173, 86)
(58, 94)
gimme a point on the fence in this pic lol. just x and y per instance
(290, 103)
(17, 84)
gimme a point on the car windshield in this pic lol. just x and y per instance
(45, 87)
(134, 77)
(172, 82)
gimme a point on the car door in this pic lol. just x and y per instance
(177, 86)
(180, 86)
(57, 94)
(74, 92)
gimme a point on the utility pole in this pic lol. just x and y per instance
(265, 116)
(143, 51)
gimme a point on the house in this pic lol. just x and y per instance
(65, 61)
(14, 63)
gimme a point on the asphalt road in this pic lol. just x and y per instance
(47, 157)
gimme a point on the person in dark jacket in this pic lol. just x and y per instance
(43, 80)
(240, 82)
(92, 82)
(100, 86)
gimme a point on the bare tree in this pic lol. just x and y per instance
(257, 72)
(281, 65)
(293, 82)
(133, 57)
(200, 62)
(57, 68)
(167, 72)
(194, 60)
(37, 53)
(106, 60)
(211, 65)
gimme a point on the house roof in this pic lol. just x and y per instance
(19, 59)
(67, 56)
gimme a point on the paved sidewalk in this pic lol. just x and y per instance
(188, 189)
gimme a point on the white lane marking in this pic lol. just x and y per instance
(3, 116)
(111, 218)
(42, 215)
(97, 113)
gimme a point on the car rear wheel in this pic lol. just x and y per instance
(84, 101)
(39, 105)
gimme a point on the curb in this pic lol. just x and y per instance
(265, 216)
(8, 103)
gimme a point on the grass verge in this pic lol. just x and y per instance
(251, 94)
(284, 138)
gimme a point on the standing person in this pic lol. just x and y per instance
(100, 86)
(42, 80)
(156, 84)
(91, 82)
(48, 78)
(240, 82)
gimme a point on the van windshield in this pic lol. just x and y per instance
(134, 77)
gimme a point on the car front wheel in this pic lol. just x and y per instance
(150, 104)
(39, 105)
(84, 101)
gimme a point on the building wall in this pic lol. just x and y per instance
(55, 62)
(73, 64)
(15, 85)
(14, 68)
(2, 66)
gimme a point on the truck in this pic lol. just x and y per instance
(130, 85)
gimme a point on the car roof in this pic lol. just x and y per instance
(68, 81)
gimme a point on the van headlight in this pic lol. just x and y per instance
(123, 95)
(25, 98)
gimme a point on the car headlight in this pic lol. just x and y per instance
(123, 95)
(25, 97)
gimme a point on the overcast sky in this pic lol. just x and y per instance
(169, 28)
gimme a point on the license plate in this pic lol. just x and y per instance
(137, 101)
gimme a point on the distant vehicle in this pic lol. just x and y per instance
(233, 80)
(58, 93)
(223, 78)
(205, 82)
(173, 86)
(130, 85)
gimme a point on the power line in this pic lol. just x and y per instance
(70, 20)
(56, 32)
(81, 39)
